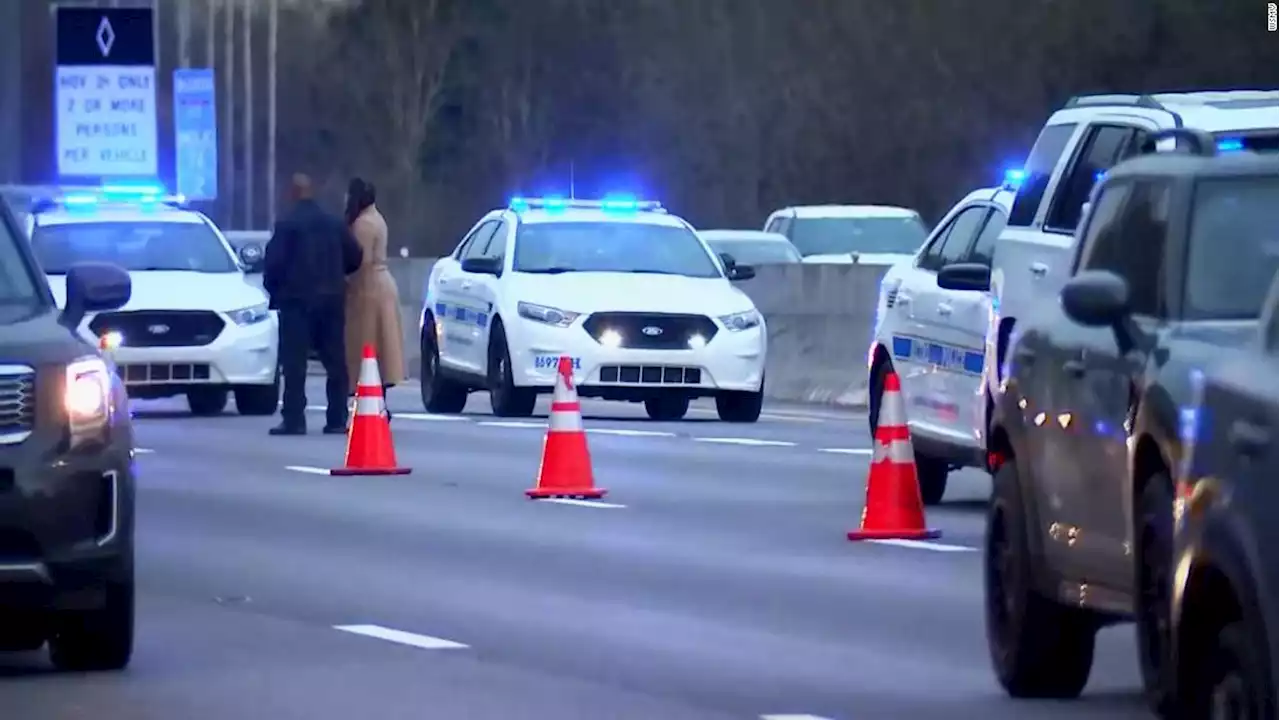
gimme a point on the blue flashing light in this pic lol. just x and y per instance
(80, 200)
(608, 204)
(1231, 145)
(1013, 178)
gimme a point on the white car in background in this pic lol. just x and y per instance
(195, 325)
(933, 339)
(845, 234)
(641, 305)
(751, 247)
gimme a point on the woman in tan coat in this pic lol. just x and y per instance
(373, 303)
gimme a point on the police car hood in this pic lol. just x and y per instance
(630, 292)
(155, 290)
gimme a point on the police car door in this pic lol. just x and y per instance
(482, 294)
(452, 302)
(934, 386)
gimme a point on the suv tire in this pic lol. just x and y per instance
(206, 402)
(1235, 673)
(667, 409)
(1153, 550)
(439, 395)
(1038, 647)
(97, 640)
(505, 398)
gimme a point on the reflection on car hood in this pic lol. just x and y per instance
(628, 292)
(162, 290)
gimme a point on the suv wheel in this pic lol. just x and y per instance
(96, 640)
(439, 395)
(208, 401)
(1232, 683)
(1038, 648)
(931, 474)
(1154, 548)
(258, 399)
(667, 409)
(505, 398)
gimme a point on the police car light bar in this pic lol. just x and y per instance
(557, 203)
(1013, 178)
(109, 195)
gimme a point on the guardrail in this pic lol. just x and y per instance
(819, 319)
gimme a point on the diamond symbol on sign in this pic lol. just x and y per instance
(105, 36)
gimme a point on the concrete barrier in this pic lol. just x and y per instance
(819, 319)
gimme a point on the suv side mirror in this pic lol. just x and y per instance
(483, 266)
(94, 287)
(253, 258)
(965, 276)
(1096, 298)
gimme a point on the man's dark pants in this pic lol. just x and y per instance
(318, 323)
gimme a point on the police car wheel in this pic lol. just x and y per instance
(1039, 648)
(740, 407)
(666, 409)
(208, 401)
(99, 639)
(439, 395)
(258, 400)
(931, 474)
(505, 399)
(875, 389)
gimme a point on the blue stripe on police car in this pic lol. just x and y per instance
(947, 357)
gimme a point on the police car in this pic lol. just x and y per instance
(195, 325)
(642, 305)
(933, 339)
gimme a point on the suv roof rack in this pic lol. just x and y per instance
(1190, 140)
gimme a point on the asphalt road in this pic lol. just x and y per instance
(714, 581)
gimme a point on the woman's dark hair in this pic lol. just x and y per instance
(360, 195)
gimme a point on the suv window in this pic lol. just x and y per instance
(1039, 168)
(952, 244)
(476, 241)
(985, 246)
(1231, 248)
(1133, 246)
(1100, 152)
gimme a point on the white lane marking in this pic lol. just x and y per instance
(425, 642)
(926, 545)
(763, 416)
(584, 503)
(429, 416)
(143, 451)
(744, 441)
(630, 433)
(512, 424)
(847, 451)
(307, 469)
(792, 717)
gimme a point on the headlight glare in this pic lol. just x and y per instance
(88, 394)
(546, 315)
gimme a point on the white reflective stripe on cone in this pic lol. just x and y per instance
(368, 406)
(893, 413)
(369, 373)
(895, 451)
(565, 421)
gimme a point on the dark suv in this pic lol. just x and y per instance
(1172, 262)
(66, 468)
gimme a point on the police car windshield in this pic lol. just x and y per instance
(18, 285)
(756, 252)
(864, 235)
(136, 246)
(619, 247)
(1233, 250)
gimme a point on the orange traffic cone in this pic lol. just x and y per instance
(566, 463)
(893, 510)
(370, 450)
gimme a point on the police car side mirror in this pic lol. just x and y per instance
(94, 287)
(252, 256)
(482, 266)
(965, 276)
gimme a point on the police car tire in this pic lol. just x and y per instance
(505, 399)
(100, 639)
(740, 407)
(439, 394)
(931, 474)
(208, 401)
(258, 400)
(666, 409)
(1039, 648)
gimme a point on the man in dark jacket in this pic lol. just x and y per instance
(308, 259)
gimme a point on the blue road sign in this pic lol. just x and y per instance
(195, 129)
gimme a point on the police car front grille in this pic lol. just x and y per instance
(160, 328)
(650, 375)
(17, 404)
(651, 331)
(139, 373)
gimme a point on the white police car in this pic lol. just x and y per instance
(640, 303)
(195, 325)
(933, 339)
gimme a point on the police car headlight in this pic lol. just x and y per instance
(250, 315)
(88, 394)
(738, 322)
(546, 315)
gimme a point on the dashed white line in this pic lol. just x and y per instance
(584, 503)
(143, 451)
(425, 642)
(926, 545)
(307, 469)
(847, 451)
(629, 433)
(512, 424)
(430, 417)
(755, 442)
(792, 717)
